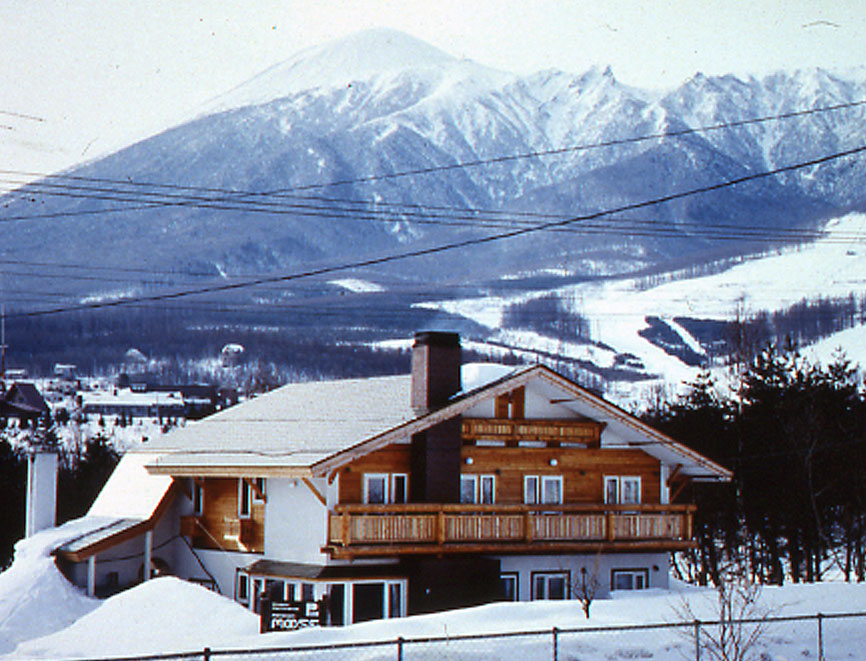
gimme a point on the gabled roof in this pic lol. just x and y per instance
(289, 428)
(315, 428)
(628, 429)
(23, 399)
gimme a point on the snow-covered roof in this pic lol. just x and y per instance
(316, 427)
(131, 492)
(295, 425)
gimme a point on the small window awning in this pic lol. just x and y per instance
(323, 573)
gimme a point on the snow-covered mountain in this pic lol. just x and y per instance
(380, 144)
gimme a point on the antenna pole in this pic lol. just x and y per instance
(2, 342)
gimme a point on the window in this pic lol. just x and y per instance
(259, 491)
(395, 600)
(487, 489)
(384, 488)
(245, 499)
(542, 490)
(510, 591)
(468, 487)
(621, 490)
(242, 588)
(549, 585)
(375, 488)
(197, 498)
(629, 579)
(399, 490)
(478, 489)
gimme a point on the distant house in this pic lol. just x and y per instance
(131, 404)
(23, 402)
(381, 497)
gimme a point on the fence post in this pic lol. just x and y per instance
(820, 637)
(555, 644)
(697, 640)
(400, 648)
(206, 654)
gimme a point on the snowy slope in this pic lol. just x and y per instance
(617, 310)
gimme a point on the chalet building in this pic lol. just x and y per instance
(22, 402)
(450, 486)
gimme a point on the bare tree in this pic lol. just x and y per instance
(740, 619)
(586, 586)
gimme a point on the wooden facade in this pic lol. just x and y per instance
(220, 524)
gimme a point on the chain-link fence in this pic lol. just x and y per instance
(821, 636)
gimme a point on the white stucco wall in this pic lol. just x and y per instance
(295, 521)
(656, 565)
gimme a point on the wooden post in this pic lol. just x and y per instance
(91, 576)
(440, 527)
(148, 554)
(821, 637)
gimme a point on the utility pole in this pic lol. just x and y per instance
(2, 347)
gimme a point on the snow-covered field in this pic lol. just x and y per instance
(43, 617)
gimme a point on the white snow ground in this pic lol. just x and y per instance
(44, 617)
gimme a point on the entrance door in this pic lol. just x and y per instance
(368, 602)
(336, 603)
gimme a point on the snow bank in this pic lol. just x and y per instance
(168, 615)
(165, 614)
(35, 598)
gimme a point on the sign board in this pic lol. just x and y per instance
(291, 615)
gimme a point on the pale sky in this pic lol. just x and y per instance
(91, 76)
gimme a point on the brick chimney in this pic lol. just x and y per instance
(436, 362)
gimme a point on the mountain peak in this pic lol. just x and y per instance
(359, 56)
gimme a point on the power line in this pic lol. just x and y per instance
(453, 245)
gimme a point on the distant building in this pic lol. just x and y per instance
(22, 401)
(65, 371)
(128, 403)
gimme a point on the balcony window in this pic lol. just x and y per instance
(542, 490)
(621, 490)
(197, 498)
(245, 499)
(476, 489)
(386, 488)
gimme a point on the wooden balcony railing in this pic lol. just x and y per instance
(549, 431)
(357, 530)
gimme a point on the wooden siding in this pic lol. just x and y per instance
(392, 459)
(583, 470)
(219, 526)
(359, 530)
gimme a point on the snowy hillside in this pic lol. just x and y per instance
(618, 310)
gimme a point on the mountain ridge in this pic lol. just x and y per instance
(443, 151)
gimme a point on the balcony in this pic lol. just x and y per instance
(378, 530)
(585, 432)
